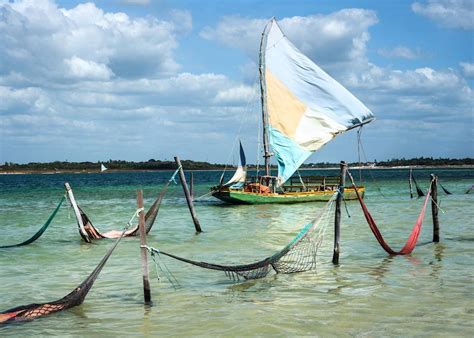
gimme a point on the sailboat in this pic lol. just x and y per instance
(303, 108)
(103, 168)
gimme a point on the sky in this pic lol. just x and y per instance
(151, 79)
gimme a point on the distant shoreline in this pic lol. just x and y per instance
(73, 171)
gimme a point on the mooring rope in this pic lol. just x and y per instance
(168, 274)
(344, 200)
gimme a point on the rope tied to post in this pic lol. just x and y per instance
(155, 253)
(344, 200)
(173, 177)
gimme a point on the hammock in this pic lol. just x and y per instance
(299, 255)
(418, 190)
(74, 298)
(89, 232)
(412, 239)
(40, 231)
(446, 191)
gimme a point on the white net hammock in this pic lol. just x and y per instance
(298, 256)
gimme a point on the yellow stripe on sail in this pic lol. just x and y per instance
(285, 110)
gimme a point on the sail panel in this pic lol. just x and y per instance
(304, 104)
(238, 180)
(282, 99)
(288, 153)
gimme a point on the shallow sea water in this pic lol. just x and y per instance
(427, 293)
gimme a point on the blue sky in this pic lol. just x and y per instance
(138, 79)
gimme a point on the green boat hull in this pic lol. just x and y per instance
(242, 197)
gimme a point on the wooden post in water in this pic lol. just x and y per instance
(188, 195)
(191, 186)
(409, 183)
(337, 218)
(144, 256)
(434, 207)
(79, 220)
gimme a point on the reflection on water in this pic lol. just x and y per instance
(428, 293)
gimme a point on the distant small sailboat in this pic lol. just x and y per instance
(238, 180)
(303, 108)
(103, 168)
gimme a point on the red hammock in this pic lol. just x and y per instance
(415, 232)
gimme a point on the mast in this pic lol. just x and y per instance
(263, 96)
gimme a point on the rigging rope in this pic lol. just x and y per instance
(412, 239)
(247, 108)
(301, 180)
(299, 255)
(40, 231)
(74, 298)
(374, 181)
(359, 143)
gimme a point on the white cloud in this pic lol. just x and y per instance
(467, 69)
(422, 94)
(237, 95)
(46, 43)
(108, 83)
(399, 52)
(449, 13)
(83, 69)
(335, 41)
(183, 20)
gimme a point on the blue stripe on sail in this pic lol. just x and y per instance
(288, 154)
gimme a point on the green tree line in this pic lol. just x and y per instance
(153, 164)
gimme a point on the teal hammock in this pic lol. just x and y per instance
(298, 256)
(40, 231)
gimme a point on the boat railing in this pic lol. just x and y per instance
(311, 183)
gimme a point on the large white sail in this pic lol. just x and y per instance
(306, 107)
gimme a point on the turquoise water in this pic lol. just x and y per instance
(428, 293)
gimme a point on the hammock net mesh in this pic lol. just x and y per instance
(74, 298)
(299, 255)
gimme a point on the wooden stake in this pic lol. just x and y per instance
(337, 218)
(191, 186)
(409, 183)
(187, 194)
(434, 207)
(80, 223)
(141, 227)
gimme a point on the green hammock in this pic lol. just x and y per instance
(298, 256)
(40, 231)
